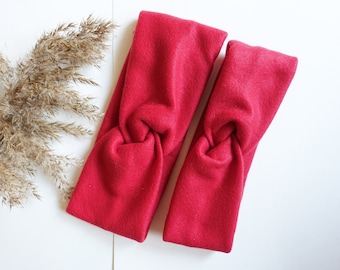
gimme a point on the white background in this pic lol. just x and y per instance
(289, 217)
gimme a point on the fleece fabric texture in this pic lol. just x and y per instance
(159, 88)
(249, 89)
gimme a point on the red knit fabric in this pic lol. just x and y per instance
(142, 133)
(206, 200)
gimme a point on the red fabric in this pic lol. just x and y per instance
(142, 133)
(206, 200)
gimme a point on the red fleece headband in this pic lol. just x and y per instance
(157, 94)
(206, 200)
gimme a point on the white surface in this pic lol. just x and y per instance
(41, 235)
(289, 216)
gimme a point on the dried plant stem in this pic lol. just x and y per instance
(34, 92)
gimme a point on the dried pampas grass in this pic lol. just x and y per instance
(34, 91)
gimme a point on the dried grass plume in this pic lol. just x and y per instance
(33, 92)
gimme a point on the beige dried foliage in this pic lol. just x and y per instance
(33, 93)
